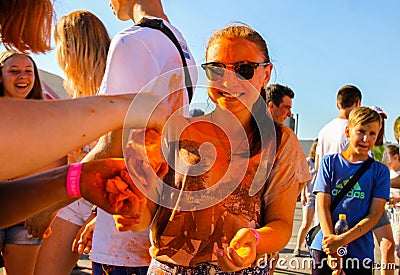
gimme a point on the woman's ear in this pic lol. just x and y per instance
(268, 71)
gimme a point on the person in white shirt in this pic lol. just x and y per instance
(137, 58)
(331, 138)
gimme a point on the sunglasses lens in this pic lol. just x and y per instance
(244, 71)
(214, 72)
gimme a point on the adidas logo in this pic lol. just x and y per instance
(355, 192)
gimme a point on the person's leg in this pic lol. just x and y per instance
(320, 266)
(384, 235)
(308, 215)
(20, 259)
(361, 268)
(56, 256)
(20, 250)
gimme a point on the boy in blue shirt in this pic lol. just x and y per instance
(363, 204)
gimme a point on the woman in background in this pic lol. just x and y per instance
(19, 78)
(82, 44)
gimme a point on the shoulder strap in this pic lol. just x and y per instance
(351, 182)
(158, 24)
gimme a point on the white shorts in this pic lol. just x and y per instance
(77, 212)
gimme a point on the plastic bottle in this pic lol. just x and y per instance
(341, 225)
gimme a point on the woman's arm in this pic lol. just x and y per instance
(278, 217)
(276, 233)
(34, 133)
(27, 196)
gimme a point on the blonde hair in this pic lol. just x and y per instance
(313, 149)
(363, 115)
(82, 44)
(25, 25)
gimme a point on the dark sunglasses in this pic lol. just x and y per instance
(243, 69)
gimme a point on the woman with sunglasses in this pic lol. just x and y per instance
(228, 196)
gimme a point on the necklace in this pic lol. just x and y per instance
(228, 152)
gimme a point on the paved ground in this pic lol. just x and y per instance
(287, 265)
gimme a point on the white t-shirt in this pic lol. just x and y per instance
(118, 248)
(332, 138)
(137, 56)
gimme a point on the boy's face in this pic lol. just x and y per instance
(362, 137)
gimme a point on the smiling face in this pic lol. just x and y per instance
(362, 138)
(231, 92)
(17, 76)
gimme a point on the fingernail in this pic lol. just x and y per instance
(219, 253)
(230, 250)
(236, 246)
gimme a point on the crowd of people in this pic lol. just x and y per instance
(161, 192)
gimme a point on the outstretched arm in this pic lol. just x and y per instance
(34, 133)
(27, 196)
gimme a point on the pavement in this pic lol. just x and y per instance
(287, 264)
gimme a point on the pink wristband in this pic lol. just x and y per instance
(256, 234)
(73, 187)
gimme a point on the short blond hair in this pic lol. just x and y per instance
(363, 115)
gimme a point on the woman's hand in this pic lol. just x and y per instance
(145, 162)
(95, 180)
(83, 239)
(241, 252)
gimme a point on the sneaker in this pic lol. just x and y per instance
(296, 252)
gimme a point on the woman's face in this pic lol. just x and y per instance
(18, 76)
(231, 92)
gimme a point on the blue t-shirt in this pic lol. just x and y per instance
(333, 174)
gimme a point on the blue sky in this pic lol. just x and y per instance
(316, 47)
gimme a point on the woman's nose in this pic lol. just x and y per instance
(22, 75)
(230, 78)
